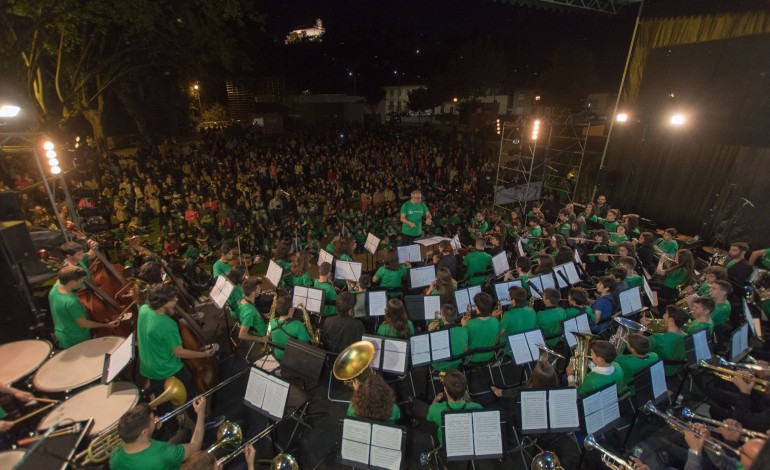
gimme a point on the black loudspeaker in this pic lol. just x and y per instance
(16, 240)
(9, 206)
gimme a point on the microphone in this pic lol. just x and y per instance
(746, 201)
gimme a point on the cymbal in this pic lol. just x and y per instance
(712, 250)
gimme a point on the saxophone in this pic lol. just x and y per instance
(315, 335)
(266, 348)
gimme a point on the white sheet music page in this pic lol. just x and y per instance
(570, 326)
(119, 358)
(415, 255)
(386, 447)
(440, 348)
(558, 272)
(592, 409)
(314, 300)
(610, 408)
(381, 457)
(356, 436)
(458, 434)
(455, 242)
(276, 394)
(534, 338)
(221, 291)
(500, 263)
(394, 356)
(487, 437)
(420, 349)
(572, 273)
(534, 412)
(501, 290)
(431, 305)
(378, 301)
(300, 296)
(371, 244)
(255, 389)
(547, 281)
(582, 324)
(274, 273)
(462, 301)
(538, 287)
(324, 257)
(520, 248)
(403, 254)
(472, 291)
(701, 342)
(377, 342)
(422, 277)
(658, 374)
(562, 408)
(520, 349)
(648, 292)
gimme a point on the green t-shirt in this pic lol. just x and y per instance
(549, 320)
(518, 319)
(395, 414)
(635, 281)
(476, 262)
(330, 295)
(594, 381)
(437, 410)
(390, 277)
(668, 247)
(609, 226)
(387, 330)
(159, 455)
(631, 365)
(668, 346)
(765, 260)
(157, 335)
(2, 412)
(221, 267)
(65, 310)
(458, 341)
(282, 330)
(414, 214)
(248, 315)
(84, 265)
(698, 325)
(483, 332)
(721, 313)
(574, 312)
(235, 297)
(304, 280)
(676, 277)
(704, 290)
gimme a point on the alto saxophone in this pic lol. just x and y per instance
(266, 348)
(315, 335)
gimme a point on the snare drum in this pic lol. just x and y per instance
(75, 367)
(10, 458)
(94, 403)
(21, 358)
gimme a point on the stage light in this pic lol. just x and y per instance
(622, 117)
(454, 100)
(9, 111)
(676, 119)
(55, 170)
(50, 154)
(535, 129)
(48, 145)
(537, 98)
(53, 162)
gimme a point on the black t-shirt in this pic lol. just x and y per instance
(449, 261)
(341, 331)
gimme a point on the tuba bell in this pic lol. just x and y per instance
(229, 437)
(352, 365)
(625, 328)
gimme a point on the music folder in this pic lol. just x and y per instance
(524, 346)
(266, 393)
(697, 346)
(739, 343)
(376, 303)
(549, 410)
(630, 301)
(501, 291)
(312, 299)
(500, 263)
(566, 275)
(390, 354)
(117, 360)
(430, 347)
(372, 444)
(599, 410)
(473, 435)
(579, 324)
(464, 298)
(422, 307)
(422, 277)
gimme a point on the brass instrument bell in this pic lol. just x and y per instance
(352, 365)
(284, 461)
(229, 437)
(546, 460)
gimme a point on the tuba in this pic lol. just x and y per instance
(581, 356)
(352, 365)
(625, 327)
(284, 461)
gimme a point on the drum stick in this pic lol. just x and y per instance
(43, 400)
(29, 415)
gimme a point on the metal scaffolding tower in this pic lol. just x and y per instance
(514, 183)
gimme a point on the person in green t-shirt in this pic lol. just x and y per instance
(325, 284)
(618, 237)
(521, 317)
(74, 255)
(675, 274)
(222, 265)
(70, 321)
(720, 290)
(483, 329)
(701, 308)
(603, 355)
(477, 263)
(667, 244)
(139, 451)
(760, 258)
(284, 327)
(632, 279)
(253, 326)
(458, 337)
(638, 358)
(456, 394)
(396, 323)
(669, 346)
(235, 276)
(299, 274)
(391, 274)
(412, 212)
(610, 223)
(20, 395)
(373, 399)
(550, 319)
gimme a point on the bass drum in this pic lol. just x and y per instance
(75, 367)
(21, 358)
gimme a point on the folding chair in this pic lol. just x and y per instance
(469, 366)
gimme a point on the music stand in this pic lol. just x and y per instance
(302, 360)
(371, 444)
(371, 245)
(422, 307)
(55, 452)
(697, 346)
(649, 385)
(391, 355)
(566, 275)
(739, 343)
(501, 291)
(376, 303)
(630, 301)
(422, 276)
(266, 394)
(551, 410)
(430, 347)
(116, 361)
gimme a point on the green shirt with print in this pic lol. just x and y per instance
(414, 213)
(66, 309)
(476, 263)
(157, 335)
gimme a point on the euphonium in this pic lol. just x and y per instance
(625, 327)
(229, 437)
(580, 357)
(352, 365)
(266, 349)
(609, 459)
(315, 335)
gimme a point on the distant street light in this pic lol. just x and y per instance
(621, 117)
(676, 119)
(197, 93)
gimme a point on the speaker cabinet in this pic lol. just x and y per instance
(16, 241)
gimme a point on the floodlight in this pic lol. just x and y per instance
(53, 162)
(622, 117)
(50, 154)
(9, 111)
(55, 170)
(676, 120)
(48, 145)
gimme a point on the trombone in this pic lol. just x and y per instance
(760, 385)
(716, 425)
(227, 458)
(609, 459)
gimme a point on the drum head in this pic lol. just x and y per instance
(94, 403)
(75, 367)
(22, 358)
(10, 458)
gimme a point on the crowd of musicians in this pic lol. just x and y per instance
(615, 253)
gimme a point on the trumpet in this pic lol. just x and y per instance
(751, 367)
(609, 459)
(714, 445)
(716, 425)
(760, 385)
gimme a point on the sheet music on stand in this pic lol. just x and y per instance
(266, 393)
(312, 299)
(700, 346)
(549, 410)
(117, 360)
(372, 445)
(432, 241)
(464, 297)
(651, 296)
(430, 305)
(274, 273)
(750, 320)
(524, 346)
(658, 378)
(630, 301)
(473, 435)
(566, 275)
(324, 257)
(371, 244)
(377, 302)
(500, 263)
(579, 324)
(455, 242)
(600, 411)
(577, 258)
(410, 253)
(739, 343)
(221, 291)
(347, 270)
(541, 283)
(390, 354)
(422, 277)
(501, 291)
(430, 347)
